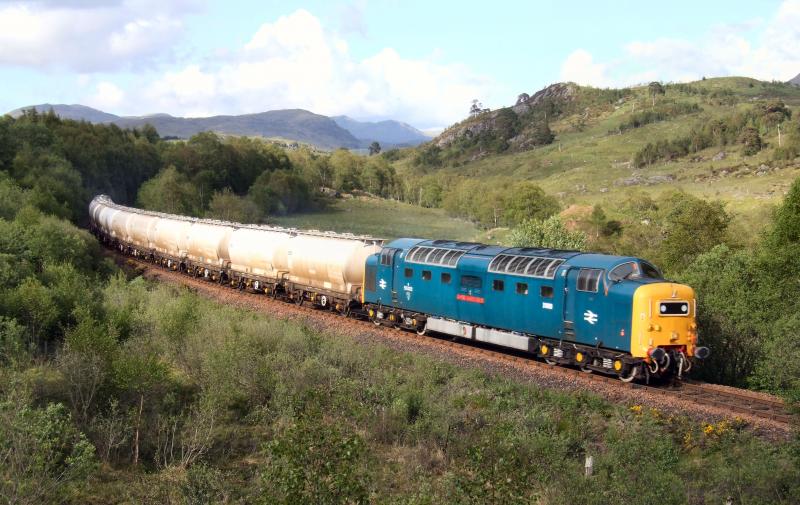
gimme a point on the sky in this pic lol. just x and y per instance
(421, 62)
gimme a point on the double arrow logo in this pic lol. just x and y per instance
(590, 317)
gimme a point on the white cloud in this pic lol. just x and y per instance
(295, 62)
(89, 36)
(107, 96)
(579, 67)
(723, 51)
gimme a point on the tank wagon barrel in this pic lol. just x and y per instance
(325, 268)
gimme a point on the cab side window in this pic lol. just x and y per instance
(589, 279)
(387, 254)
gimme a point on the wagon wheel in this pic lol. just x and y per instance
(423, 330)
(629, 378)
(299, 298)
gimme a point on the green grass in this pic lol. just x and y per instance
(385, 219)
(587, 167)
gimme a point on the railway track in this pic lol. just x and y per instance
(735, 402)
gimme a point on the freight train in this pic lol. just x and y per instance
(611, 314)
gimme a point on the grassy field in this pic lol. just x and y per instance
(385, 219)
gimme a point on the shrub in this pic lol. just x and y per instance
(549, 233)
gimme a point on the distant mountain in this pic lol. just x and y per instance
(75, 111)
(291, 124)
(795, 81)
(387, 132)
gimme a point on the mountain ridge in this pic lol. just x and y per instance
(291, 124)
(390, 132)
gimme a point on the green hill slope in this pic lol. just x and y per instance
(596, 135)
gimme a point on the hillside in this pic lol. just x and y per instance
(594, 138)
(290, 124)
(795, 80)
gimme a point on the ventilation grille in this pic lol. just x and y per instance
(526, 266)
(440, 256)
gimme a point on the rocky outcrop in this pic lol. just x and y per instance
(527, 137)
(560, 91)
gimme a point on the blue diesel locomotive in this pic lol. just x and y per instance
(613, 314)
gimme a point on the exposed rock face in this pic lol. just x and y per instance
(639, 180)
(487, 121)
(558, 91)
(795, 81)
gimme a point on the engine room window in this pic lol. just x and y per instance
(426, 275)
(522, 288)
(546, 291)
(471, 282)
(445, 278)
(589, 279)
(409, 273)
(498, 285)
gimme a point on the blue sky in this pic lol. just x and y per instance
(420, 62)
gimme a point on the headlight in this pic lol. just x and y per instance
(673, 308)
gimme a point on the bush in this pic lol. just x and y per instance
(312, 461)
(550, 233)
(43, 455)
(229, 207)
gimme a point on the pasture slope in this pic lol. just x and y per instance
(591, 158)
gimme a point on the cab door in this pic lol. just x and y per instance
(583, 316)
(384, 284)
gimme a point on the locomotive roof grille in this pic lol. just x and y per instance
(526, 266)
(440, 256)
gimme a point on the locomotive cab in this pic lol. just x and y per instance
(663, 318)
